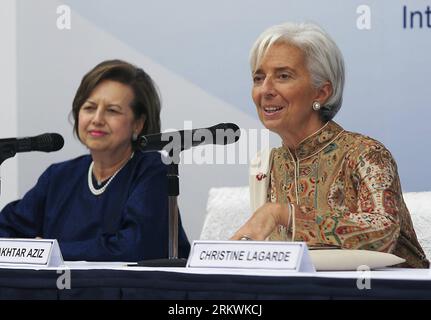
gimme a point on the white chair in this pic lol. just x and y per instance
(419, 204)
(228, 208)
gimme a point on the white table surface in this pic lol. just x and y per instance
(385, 273)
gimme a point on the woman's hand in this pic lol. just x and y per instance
(263, 222)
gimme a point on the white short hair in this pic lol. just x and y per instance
(323, 58)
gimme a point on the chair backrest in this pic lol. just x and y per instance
(227, 210)
(419, 204)
(229, 207)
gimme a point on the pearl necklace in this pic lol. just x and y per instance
(95, 191)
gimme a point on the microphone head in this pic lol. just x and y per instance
(226, 126)
(225, 133)
(177, 141)
(48, 142)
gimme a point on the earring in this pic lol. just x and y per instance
(135, 136)
(316, 106)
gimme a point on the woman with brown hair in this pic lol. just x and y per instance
(110, 205)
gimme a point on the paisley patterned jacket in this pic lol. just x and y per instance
(349, 194)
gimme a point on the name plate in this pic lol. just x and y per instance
(30, 252)
(289, 256)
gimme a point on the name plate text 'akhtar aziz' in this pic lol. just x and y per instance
(31, 252)
(291, 256)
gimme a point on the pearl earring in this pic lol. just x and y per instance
(316, 106)
(135, 136)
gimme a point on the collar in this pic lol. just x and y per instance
(317, 141)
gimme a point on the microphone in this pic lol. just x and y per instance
(46, 142)
(222, 134)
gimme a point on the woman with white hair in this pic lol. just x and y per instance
(324, 185)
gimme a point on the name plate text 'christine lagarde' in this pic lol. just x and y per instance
(30, 252)
(279, 255)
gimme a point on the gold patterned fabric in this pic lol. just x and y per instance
(349, 194)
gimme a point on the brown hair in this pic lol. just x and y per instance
(146, 102)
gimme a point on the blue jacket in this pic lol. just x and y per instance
(128, 222)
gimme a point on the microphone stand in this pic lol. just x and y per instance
(173, 192)
(157, 142)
